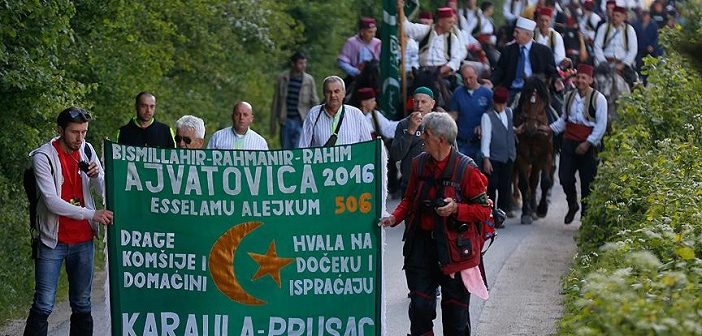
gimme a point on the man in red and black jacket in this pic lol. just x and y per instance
(443, 206)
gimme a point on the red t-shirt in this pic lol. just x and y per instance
(72, 231)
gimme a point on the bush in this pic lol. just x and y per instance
(638, 270)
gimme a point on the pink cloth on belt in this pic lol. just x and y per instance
(473, 280)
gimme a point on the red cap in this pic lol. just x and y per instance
(366, 22)
(366, 93)
(426, 15)
(589, 5)
(619, 9)
(544, 11)
(586, 69)
(444, 12)
(500, 95)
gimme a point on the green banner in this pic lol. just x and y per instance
(390, 63)
(209, 242)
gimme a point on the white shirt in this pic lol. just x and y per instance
(487, 27)
(435, 54)
(468, 19)
(316, 131)
(558, 48)
(616, 47)
(588, 24)
(411, 55)
(519, 5)
(486, 126)
(578, 117)
(387, 127)
(226, 138)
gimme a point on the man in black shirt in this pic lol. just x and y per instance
(144, 130)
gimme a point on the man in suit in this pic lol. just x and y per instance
(522, 59)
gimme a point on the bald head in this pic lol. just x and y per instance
(242, 117)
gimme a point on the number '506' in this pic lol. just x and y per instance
(353, 204)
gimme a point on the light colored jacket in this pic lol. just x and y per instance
(49, 178)
(308, 98)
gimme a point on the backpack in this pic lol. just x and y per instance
(29, 182)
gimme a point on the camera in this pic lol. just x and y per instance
(457, 226)
(84, 166)
(498, 217)
(435, 203)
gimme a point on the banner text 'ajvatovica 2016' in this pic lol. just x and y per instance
(210, 242)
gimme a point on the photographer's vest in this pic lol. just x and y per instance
(426, 42)
(456, 251)
(575, 131)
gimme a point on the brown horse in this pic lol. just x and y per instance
(534, 148)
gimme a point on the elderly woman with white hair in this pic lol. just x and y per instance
(190, 132)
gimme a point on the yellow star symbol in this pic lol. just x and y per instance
(269, 264)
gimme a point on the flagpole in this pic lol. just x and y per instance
(403, 46)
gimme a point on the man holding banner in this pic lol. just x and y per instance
(442, 235)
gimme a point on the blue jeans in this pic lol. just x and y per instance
(290, 133)
(79, 268)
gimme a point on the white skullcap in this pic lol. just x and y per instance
(526, 24)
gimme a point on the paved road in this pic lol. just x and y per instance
(524, 267)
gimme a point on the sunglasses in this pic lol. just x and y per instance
(187, 140)
(75, 114)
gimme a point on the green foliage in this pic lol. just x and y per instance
(639, 266)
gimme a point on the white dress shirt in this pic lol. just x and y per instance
(588, 25)
(486, 126)
(317, 128)
(558, 48)
(578, 116)
(227, 138)
(616, 47)
(387, 127)
(436, 51)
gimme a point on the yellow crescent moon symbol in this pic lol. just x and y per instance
(222, 263)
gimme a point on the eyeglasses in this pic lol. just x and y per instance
(187, 140)
(74, 114)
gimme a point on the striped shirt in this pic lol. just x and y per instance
(226, 138)
(317, 128)
(293, 95)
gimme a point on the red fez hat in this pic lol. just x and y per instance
(544, 11)
(619, 9)
(500, 95)
(426, 15)
(444, 12)
(586, 69)
(366, 93)
(366, 22)
(589, 5)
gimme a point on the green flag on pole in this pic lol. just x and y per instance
(390, 62)
(411, 9)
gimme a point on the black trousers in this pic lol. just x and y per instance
(423, 277)
(585, 165)
(500, 181)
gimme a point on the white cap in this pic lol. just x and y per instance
(525, 23)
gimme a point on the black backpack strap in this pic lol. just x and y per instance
(87, 149)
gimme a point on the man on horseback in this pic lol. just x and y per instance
(523, 59)
(584, 120)
(616, 44)
(439, 46)
(359, 49)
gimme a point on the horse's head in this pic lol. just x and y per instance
(431, 78)
(533, 103)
